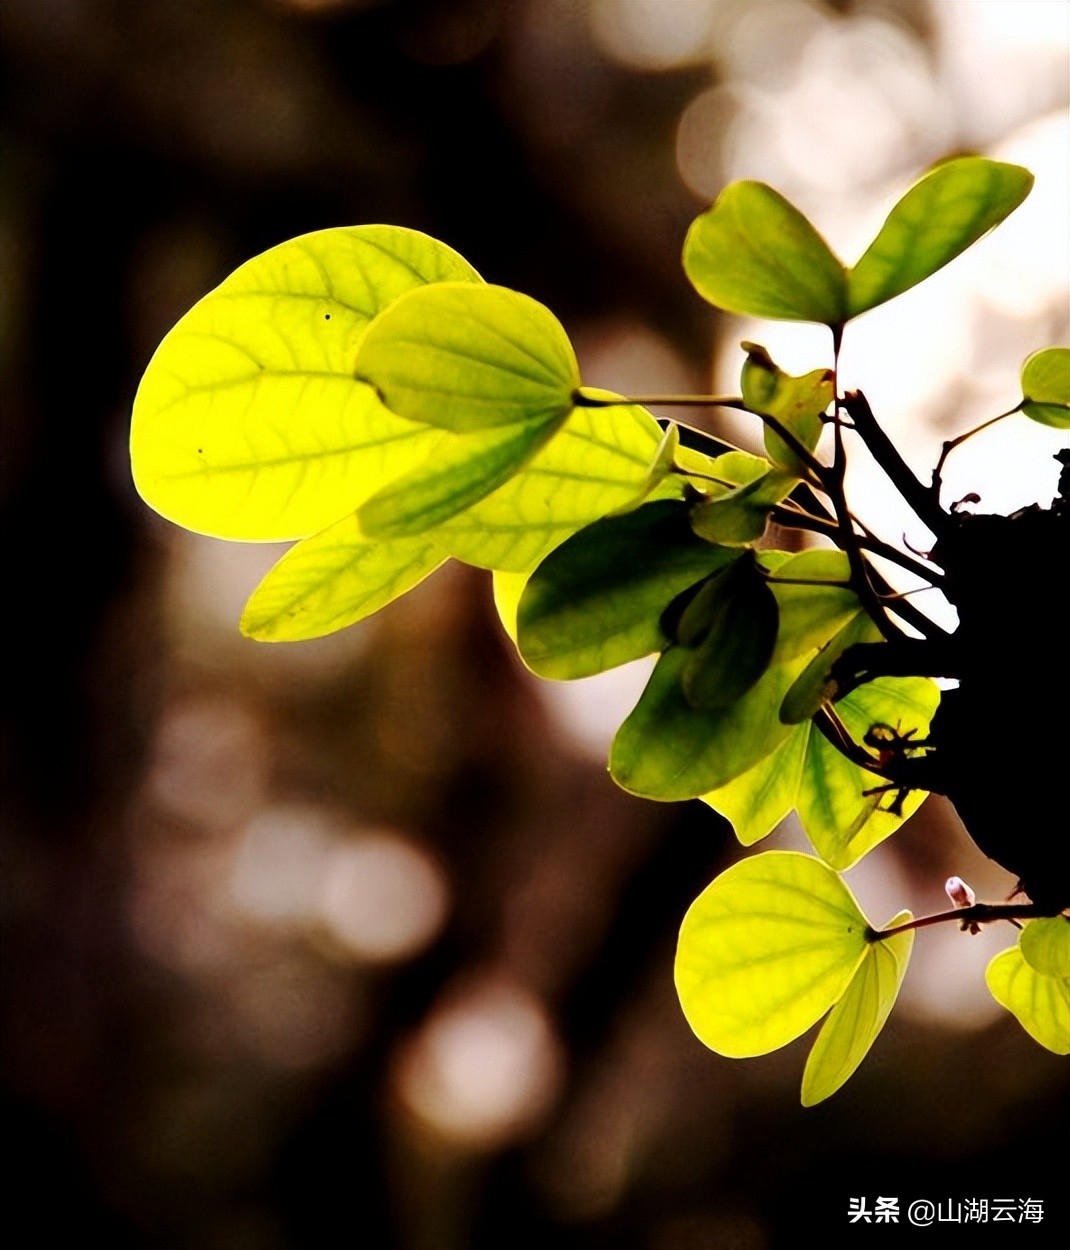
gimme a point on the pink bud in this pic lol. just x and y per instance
(959, 892)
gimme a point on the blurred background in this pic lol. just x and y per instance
(353, 942)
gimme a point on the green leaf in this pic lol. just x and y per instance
(853, 1024)
(598, 462)
(598, 600)
(248, 423)
(1041, 1004)
(765, 950)
(461, 470)
(814, 599)
(1046, 387)
(758, 799)
(1045, 946)
(740, 516)
(812, 688)
(462, 357)
(797, 403)
(950, 208)
(508, 587)
(840, 820)
(732, 623)
(755, 254)
(669, 749)
(808, 773)
(332, 580)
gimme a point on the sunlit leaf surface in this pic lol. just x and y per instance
(754, 253)
(599, 461)
(333, 579)
(855, 1021)
(1046, 387)
(465, 357)
(937, 219)
(1040, 1003)
(248, 422)
(765, 950)
(809, 774)
(461, 470)
(1045, 945)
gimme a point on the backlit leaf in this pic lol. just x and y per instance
(812, 687)
(853, 1024)
(333, 579)
(807, 773)
(815, 600)
(755, 254)
(1046, 387)
(599, 461)
(597, 601)
(797, 403)
(740, 516)
(248, 422)
(840, 820)
(669, 749)
(735, 637)
(951, 207)
(463, 357)
(1045, 945)
(765, 950)
(1040, 1003)
(461, 470)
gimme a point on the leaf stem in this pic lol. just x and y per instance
(977, 914)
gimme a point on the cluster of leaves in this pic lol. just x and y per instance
(364, 392)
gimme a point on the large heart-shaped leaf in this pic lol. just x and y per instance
(853, 1024)
(938, 218)
(1046, 387)
(333, 579)
(248, 422)
(464, 358)
(765, 950)
(755, 254)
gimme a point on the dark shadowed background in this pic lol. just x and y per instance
(353, 942)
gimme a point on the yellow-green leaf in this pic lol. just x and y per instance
(333, 579)
(599, 461)
(944, 212)
(754, 253)
(797, 403)
(765, 950)
(853, 1024)
(248, 422)
(1046, 387)
(1045, 945)
(1040, 1003)
(462, 470)
(464, 358)
(808, 773)
(812, 687)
